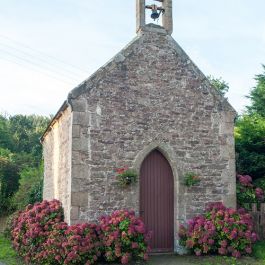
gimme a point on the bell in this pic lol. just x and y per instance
(155, 14)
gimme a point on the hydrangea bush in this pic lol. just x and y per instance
(52, 250)
(247, 192)
(82, 244)
(40, 236)
(33, 226)
(221, 230)
(124, 237)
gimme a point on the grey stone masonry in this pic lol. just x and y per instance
(149, 96)
(168, 16)
(57, 161)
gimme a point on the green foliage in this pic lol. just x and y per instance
(7, 254)
(20, 156)
(250, 145)
(30, 187)
(191, 179)
(246, 195)
(258, 250)
(260, 183)
(9, 225)
(9, 177)
(219, 84)
(5, 136)
(26, 132)
(257, 96)
(36, 192)
(127, 177)
(5, 153)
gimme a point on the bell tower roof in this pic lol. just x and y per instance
(165, 10)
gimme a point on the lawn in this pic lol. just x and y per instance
(7, 254)
(9, 257)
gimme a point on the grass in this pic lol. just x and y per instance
(7, 254)
(259, 250)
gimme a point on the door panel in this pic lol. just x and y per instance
(157, 201)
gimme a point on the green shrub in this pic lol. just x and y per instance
(8, 184)
(259, 250)
(30, 187)
(249, 143)
(260, 183)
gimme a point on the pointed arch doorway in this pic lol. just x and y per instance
(157, 201)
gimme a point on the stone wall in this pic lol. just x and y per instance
(151, 95)
(57, 161)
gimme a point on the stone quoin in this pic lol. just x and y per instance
(149, 103)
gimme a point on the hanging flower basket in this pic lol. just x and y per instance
(191, 179)
(126, 176)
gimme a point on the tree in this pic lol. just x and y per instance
(5, 136)
(30, 187)
(8, 183)
(257, 95)
(250, 133)
(20, 157)
(26, 132)
(250, 145)
(219, 84)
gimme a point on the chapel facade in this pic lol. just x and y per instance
(149, 108)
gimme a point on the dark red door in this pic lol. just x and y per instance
(157, 201)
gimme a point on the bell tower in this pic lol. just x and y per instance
(165, 10)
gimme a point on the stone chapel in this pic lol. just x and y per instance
(152, 109)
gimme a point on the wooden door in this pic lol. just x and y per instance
(157, 201)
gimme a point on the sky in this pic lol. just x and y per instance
(48, 47)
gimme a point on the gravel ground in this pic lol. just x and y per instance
(193, 260)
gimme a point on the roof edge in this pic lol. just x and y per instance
(204, 78)
(59, 113)
(118, 58)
